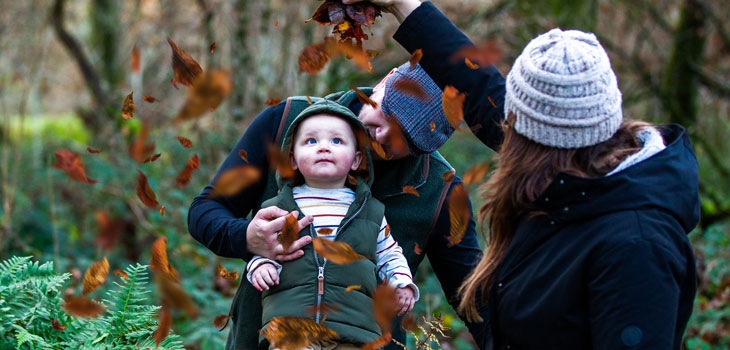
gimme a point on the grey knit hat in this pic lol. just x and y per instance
(563, 91)
(415, 114)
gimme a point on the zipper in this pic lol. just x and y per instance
(320, 268)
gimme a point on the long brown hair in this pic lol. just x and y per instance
(524, 170)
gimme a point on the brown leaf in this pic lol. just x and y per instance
(337, 252)
(273, 101)
(184, 177)
(432, 126)
(213, 46)
(244, 155)
(417, 249)
(134, 63)
(121, 273)
(448, 176)
(295, 332)
(144, 191)
(208, 91)
(411, 87)
(167, 280)
(415, 57)
(162, 210)
(235, 180)
(313, 58)
(453, 104)
(95, 275)
(81, 306)
(470, 64)
(109, 230)
(186, 69)
(378, 149)
(411, 190)
(324, 231)
(379, 343)
(324, 309)
(476, 173)
(387, 230)
(309, 100)
(57, 325)
(128, 107)
(352, 287)
(220, 321)
(228, 275)
(152, 158)
(158, 257)
(149, 99)
(459, 214)
(71, 164)
(93, 151)
(491, 101)
(385, 304)
(289, 232)
(184, 141)
(139, 149)
(364, 98)
(280, 162)
(372, 53)
(483, 55)
(163, 325)
(363, 12)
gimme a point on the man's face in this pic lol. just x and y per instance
(385, 130)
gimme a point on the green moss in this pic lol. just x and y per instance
(61, 127)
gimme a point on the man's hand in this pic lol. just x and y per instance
(262, 233)
(406, 299)
(266, 275)
(399, 8)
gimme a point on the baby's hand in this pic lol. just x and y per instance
(406, 299)
(266, 275)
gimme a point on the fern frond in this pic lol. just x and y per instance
(11, 266)
(22, 336)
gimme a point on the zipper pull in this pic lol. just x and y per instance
(320, 281)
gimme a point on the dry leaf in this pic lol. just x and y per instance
(337, 252)
(470, 64)
(134, 63)
(324, 309)
(379, 343)
(459, 214)
(95, 276)
(289, 232)
(352, 287)
(415, 57)
(313, 58)
(144, 191)
(378, 149)
(483, 55)
(476, 173)
(365, 99)
(417, 249)
(151, 158)
(213, 46)
(220, 321)
(491, 101)
(149, 99)
(385, 304)
(309, 100)
(410, 190)
(121, 274)
(448, 176)
(387, 230)
(185, 68)
(453, 104)
(57, 325)
(139, 149)
(71, 164)
(167, 280)
(184, 177)
(128, 107)
(158, 257)
(163, 325)
(280, 162)
(228, 275)
(273, 101)
(162, 210)
(208, 91)
(184, 141)
(244, 155)
(411, 87)
(93, 151)
(109, 230)
(295, 332)
(324, 231)
(81, 306)
(235, 180)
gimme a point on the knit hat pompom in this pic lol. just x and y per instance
(563, 91)
(422, 119)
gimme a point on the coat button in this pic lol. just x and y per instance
(562, 181)
(552, 222)
(499, 284)
(565, 209)
(583, 194)
(547, 199)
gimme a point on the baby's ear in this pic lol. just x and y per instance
(292, 161)
(356, 161)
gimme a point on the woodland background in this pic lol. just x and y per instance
(65, 70)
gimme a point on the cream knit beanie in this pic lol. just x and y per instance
(563, 91)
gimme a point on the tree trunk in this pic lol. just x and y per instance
(242, 60)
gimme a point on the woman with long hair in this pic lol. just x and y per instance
(588, 214)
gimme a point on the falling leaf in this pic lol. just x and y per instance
(483, 55)
(363, 12)
(352, 287)
(208, 91)
(167, 280)
(234, 180)
(149, 99)
(337, 252)
(71, 163)
(152, 158)
(244, 155)
(378, 149)
(459, 214)
(409, 323)
(276, 23)
(185, 68)
(448, 176)
(410, 190)
(379, 343)
(158, 258)
(139, 149)
(417, 249)
(163, 325)
(162, 210)
(134, 63)
(280, 162)
(273, 101)
(213, 46)
(144, 191)
(491, 101)
(411, 87)
(289, 232)
(57, 325)
(309, 100)
(228, 275)
(415, 57)
(121, 274)
(184, 177)
(81, 306)
(385, 304)
(128, 107)
(470, 64)
(95, 275)
(313, 58)
(432, 126)
(372, 53)
(323, 309)
(324, 231)
(453, 104)
(220, 321)
(296, 332)
(476, 173)
(184, 141)
(387, 230)
(109, 230)
(93, 151)
(364, 98)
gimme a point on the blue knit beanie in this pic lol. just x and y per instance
(422, 119)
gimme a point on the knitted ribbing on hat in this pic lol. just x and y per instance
(563, 91)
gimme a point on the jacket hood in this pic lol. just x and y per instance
(666, 181)
(366, 169)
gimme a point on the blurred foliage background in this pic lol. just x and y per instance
(65, 70)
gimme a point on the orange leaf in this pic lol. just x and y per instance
(470, 64)
(453, 104)
(324, 309)
(93, 151)
(352, 287)
(337, 252)
(324, 231)
(57, 325)
(379, 343)
(409, 323)
(289, 232)
(280, 162)
(459, 214)
(244, 155)
(167, 280)
(81, 306)
(295, 332)
(158, 258)
(313, 58)
(121, 274)
(95, 275)
(309, 100)
(162, 210)
(364, 98)
(128, 107)
(415, 57)
(491, 101)
(208, 91)
(184, 177)
(220, 321)
(186, 69)
(235, 180)
(152, 158)
(483, 55)
(184, 141)
(144, 191)
(213, 46)
(417, 249)
(385, 304)
(71, 163)
(432, 126)
(134, 64)
(378, 149)
(476, 173)
(109, 230)
(387, 230)
(139, 149)
(149, 99)
(163, 325)
(228, 275)
(410, 190)
(273, 101)
(411, 87)
(448, 176)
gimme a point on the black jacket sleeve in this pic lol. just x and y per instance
(426, 28)
(220, 223)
